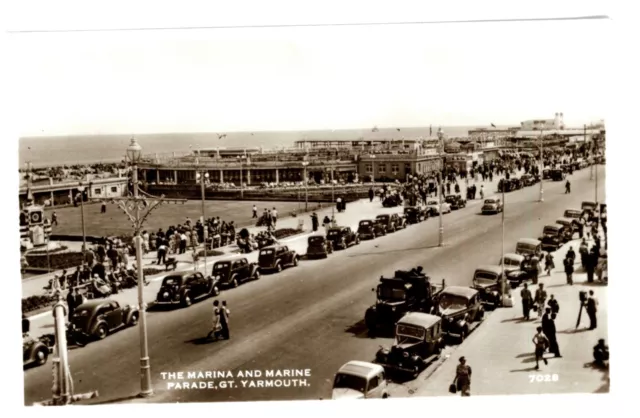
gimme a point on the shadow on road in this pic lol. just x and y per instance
(359, 330)
(116, 400)
(516, 320)
(605, 388)
(201, 341)
(527, 369)
(573, 331)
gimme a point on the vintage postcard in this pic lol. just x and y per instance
(363, 212)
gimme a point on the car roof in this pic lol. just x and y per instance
(490, 268)
(553, 226)
(337, 228)
(573, 210)
(467, 292)
(564, 220)
(514, 255)
(94, 304)
(531, 241)
(361, 368)
(420, 319)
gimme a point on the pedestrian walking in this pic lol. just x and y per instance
(224, 320)
(274, 216)
(326, 222)
(568, 269)
(553, 304)
(456, 188)
(371, 194)
(552, 336)
(216, 324)
(162, 253)
(540, 298)
(592, 309)
(462, 380)
(71, 302)
(255, 212)
(540, 343)
(314, 221)
(591, 264)
(103, 207)
(54, 219)
(527, 300)
(567, 187)
(571, 254)
(549, 265)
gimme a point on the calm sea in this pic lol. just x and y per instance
(60, 150)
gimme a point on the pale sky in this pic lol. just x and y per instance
(309, 78)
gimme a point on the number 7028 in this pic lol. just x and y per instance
(542, 378)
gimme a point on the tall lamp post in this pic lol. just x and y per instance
(241, 158)
(138, 208)
(81, 189)
(306, 184)
(440, 193)
(203, 177)
(541, 199)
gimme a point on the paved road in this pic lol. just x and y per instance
(309, 317)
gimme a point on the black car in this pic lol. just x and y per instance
(388, 221)
(391, 201)
(527, 180)
(95, 319)
(558, 174)
(455, 201)
(276, 258)
(318, 246)
(516, 183)
(553, 236)
(489, 280)
(418, 341)
(370, 229)
(186, 287)
(415, 214)
(36, 351)
(231, 273)
(459, 307)
(505, 186)
(342, 237)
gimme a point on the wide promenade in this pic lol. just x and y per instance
(309, 317)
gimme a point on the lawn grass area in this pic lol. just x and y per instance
(114, 222)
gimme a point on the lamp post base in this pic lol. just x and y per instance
(441, 238)
(145, 394)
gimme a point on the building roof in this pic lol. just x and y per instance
(419, 319)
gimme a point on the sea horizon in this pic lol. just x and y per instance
(58, 150)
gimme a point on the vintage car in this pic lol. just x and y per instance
(573, 214)
(516, 183)
(591, 208)
(433, 205)
(552, 237)
(370, 229)
(276, 257)
(406, 291)
(418, 341)
(546, 174)
(506, 184)
(318, 246)
(185, 287)
(526, 246)
(513, 269)
(570, 227)
(527, 180)
(231, 273)
(492, 205)
(391, 201)
(35, 352)
(388, 221)
(455, 201)
(97, 318)
(360, 380)
(402, 221)
(487, 281)
(558, 174)
(342, 237)
(415, 214)
(459, 307)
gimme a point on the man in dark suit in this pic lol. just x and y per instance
(592, 309)
(551, 336)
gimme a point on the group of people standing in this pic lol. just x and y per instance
(220, 322)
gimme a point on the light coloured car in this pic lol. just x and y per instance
(434, 205)
(492, 205)
(360, 380)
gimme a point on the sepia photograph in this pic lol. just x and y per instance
(313, 213)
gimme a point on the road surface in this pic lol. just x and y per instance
(309, 317)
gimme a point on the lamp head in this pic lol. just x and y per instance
(134, 151)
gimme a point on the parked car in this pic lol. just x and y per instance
(388, 221)
(406, 292)
(370, 229)
(391, 201)
(546, 174)
(493, 205)
(342, 237)
(418, 341)
(232, 273)
(570, 227)
(415, 214)
(506, 184)
(591, 208)
(433, 206)
(572, 213)
(486, 280)
(513, 269)
(35, 352)
(97, 318)
(516, 183)
(529, 246)
(459, 307)
(552, 237)
(402, 221)
(318, 246)
(527, 180)
(455, 201)
(360, 380)
(558, 174)
(183, 288)
(276, 258)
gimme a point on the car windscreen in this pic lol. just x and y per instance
(172, 280)
(511, 262)
(490, 201)
(452, 301)
(572, 214)
(81, 313)
(347, 381)
(410, 331)
(334, 233)
(391, 293)
(382, 217)
(550, 230)
(316, 240)
(221, 266)
(366, 224)
(485, 275)
(266, 252)
(527, 248)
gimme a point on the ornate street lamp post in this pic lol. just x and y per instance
(81, 189)
(541, 199)
(306, 184)
(440, 192)
(203, 177)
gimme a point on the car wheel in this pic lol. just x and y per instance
(215, 291)
(133, 321)
(256, 275)
(357, 241)
(480, 315)
(234, 282)
(416, 372)
(295, 261)
(463, 335)
(373, 236)
(41, 356)
(279, 267)
(102, 332)
(186, 301)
